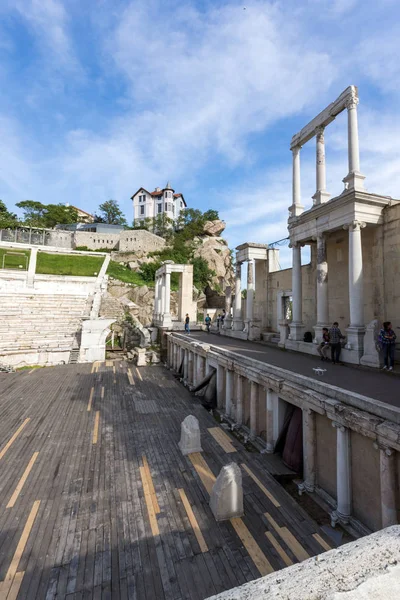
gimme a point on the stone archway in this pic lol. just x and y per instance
(93, 342)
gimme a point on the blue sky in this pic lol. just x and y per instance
(101, 97)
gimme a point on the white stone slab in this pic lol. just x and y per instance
(190, 436)
(227, 494)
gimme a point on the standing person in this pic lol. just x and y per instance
(387, 337)
(323, 347)
(335, 335)
(187, 323)
(208, 323)
(218, 320)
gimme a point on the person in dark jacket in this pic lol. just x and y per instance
(187, 323)
(335, 335)
(387, 338)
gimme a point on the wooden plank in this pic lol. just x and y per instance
(289, 539)
(203, 470)
(16, 584)
(322, 542)
(193, 521)
(149, 503)
(14, 437)
(261, 486)
(130, 377)
(102, 392)
(286, 559)
(109, 363)
(151, 486)
(223, 439)
(96, 428)
(254, 550)
(12, 569)
(89, 406)
(21, 482)
(138, 374)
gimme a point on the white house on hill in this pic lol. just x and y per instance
(148, 205)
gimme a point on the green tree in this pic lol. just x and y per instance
(7, 218)
(37, 214)
(163, 226)
(111, 213)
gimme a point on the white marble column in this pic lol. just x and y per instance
(343, 475)
(321, 195)
(239, 399)
(297, 208)
(354, 180)
(237, 324)
(356, 330)
(270, 396)
(296, 326)
(250, 294)
(32, 267)
(167, 294)
(309, 449)
(220, 386)
(162, 296)
(228, 392)
(253, 409)
(388, 486)
(185, 365)
(200, 369)
(356, 288)
(190, 367)
(322, 282)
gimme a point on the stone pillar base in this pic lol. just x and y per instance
(228, 322)
(337, 517)
(372, 357)
(237, 324)
(355, 340)
(320, 197)
(296, 332)
(354, 181)
(254, 330)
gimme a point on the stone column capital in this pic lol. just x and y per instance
(355, 225)
(339, 426)
(385, 449)
(352, 101)
(319, 132)
(296, 150)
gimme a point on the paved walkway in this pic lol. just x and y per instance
(96, 501)
(374, 384)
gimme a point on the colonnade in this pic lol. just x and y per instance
(256, 403)
(243, 322)
(356, 327)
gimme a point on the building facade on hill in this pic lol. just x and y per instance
(149, 205)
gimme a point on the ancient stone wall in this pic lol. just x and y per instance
(96, 241)
(326, 455)
(140, 240)
(366, 488)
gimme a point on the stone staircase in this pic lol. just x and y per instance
(40, 328)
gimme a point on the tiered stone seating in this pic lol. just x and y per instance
(39, 323)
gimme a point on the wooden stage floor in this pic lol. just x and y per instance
(96, 500)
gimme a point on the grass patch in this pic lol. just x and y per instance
(14, 258)
(119, 271)
(29, 367)
(68, 264)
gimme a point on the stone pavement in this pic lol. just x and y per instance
(373, 384)
(97, 501)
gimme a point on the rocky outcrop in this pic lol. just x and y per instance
(215, 252)
(136, 300)
(214, 228)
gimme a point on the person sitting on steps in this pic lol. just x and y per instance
(323, 347)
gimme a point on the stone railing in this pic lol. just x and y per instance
(351, 443)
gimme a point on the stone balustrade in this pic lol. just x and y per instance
(342, 463)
